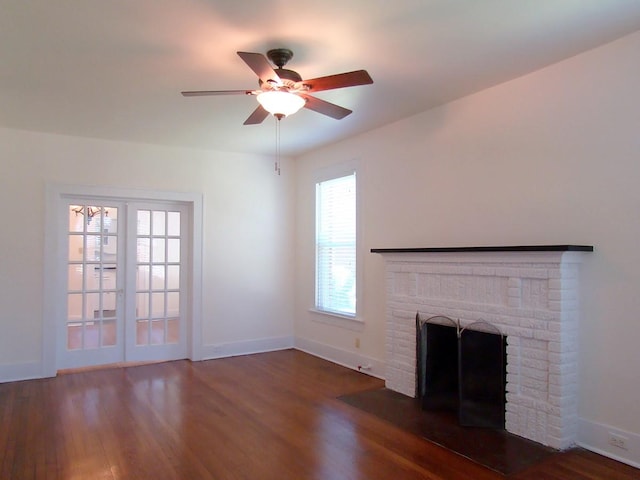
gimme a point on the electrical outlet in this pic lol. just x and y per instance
(357, 343)
(618, 441)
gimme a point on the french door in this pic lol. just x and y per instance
(126, 282)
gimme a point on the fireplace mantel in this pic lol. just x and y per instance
(509, 248)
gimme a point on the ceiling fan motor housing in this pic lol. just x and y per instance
(280, 56)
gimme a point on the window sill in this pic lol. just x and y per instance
(337, 320)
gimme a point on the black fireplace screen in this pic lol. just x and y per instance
(462, 370)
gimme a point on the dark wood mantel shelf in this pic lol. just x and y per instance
(511, 248)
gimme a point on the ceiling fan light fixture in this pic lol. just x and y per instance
(277, 102)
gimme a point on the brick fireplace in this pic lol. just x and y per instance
(530, 293)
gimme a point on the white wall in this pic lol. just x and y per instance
(550, 158)
(247, 264)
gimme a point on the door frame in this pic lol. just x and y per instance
(56, 197)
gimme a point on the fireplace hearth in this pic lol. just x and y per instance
(530, 293)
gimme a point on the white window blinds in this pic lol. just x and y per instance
(336, 245)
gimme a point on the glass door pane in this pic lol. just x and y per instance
(158, 285)
(93, 284)
(157, 277)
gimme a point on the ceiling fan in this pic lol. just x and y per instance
(283, 92)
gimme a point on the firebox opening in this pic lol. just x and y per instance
(462, 370)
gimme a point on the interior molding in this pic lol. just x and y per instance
(15, 372)
(595, 437)
(54, 255)
(336, 320)
(353, 360)
(246, 347)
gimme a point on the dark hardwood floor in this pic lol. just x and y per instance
(266, 416)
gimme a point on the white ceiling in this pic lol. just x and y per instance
(114, 69)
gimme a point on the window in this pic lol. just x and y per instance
(336, 245)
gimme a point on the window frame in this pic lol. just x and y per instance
(330, 316)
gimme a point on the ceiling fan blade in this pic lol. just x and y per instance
(258, 116)
(330, 109)
(261, 66)
(203, 93)
(340, 80)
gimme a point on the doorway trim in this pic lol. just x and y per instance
(54, 254)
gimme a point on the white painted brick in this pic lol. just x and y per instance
(533, 343)
(547, 315)
(534, 354)
(514, 282)
(512, 386)
(534, 324)
(555, 305)
(549, 409)
(406, 335)
(516, 400)
(534, 273)
(514, 292)
(512, 350)
(483, 271)
(514, 302)
(568, 379)
(534, 374)
(513, 403)
(566, 404)
(546, 335)
(554, 432)
(510, 418)
(533, 393)
(565, 422)
(513, 378)
(564, 328)
(533, 384)
(563, 358)
(553, 442)
(563, 368)
(555, 283)
(519, 332)
(507, 272)
(563, 390)
(568, 345)
(532, 299)
(540, 365)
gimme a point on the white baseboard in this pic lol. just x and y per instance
(354, 360)
(595, 437)
(29, 371)
(246, 347)
(20, 371)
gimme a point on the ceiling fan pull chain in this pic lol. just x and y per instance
(277, 165)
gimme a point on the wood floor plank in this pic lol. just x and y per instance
(267, 416)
